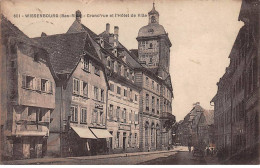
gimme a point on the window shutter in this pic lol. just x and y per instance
(51, 89)
(23, 81)
(38, 84)
(81, 88)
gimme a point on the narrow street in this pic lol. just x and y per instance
(177, 156)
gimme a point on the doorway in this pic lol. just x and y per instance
(32, 148)
(124, 141)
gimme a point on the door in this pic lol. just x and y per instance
(32, 148)
(17, 148)
(124, 140)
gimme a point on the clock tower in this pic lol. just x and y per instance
(154, 46)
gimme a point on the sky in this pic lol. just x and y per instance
(202, 33)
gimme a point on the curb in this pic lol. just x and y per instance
(57, 160)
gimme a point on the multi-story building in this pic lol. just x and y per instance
(222, 116)
(153, 77)
(27, 95)
(237, 98)
(197, 127)
(123, 96)
(79, 118)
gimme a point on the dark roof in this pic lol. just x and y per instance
(8, 29)
(77, 27)
(66, 49)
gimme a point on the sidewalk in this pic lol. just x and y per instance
(57, 160)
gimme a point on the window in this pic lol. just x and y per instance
(135, 97)
(83, 118)
(153, 104)
(86, 64)
(131, 95)
(118, 90)
(119, 69)
(102, 95)
(41, 114)
(147, 81)
(111, 109)
(136, 117)
(29, 82)
(151, 45)
(130, 116)
(43, 85)
(95, 93)
(124, 115)
(125, 72)
(112, 87)
(136, 139)
(74, 113)
(94, 116)
(112, 65)
(117, 112)
(125, 92)
(101, 116)
(147, 101)
(97, 71)
(85, 89)
(152, 84)
(157, 106)
(153, 19)
(75, 86)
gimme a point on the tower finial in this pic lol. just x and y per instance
(153, 4)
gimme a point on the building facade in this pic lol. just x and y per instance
(237, 97)
(28, 95)
(79, 119)
(123, 96)
(153, 77)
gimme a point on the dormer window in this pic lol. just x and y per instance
(101, 42)
(85, 64)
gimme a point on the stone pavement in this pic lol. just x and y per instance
(58, 160)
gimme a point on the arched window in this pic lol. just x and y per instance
(153, 20)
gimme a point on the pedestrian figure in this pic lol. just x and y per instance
(189, 146)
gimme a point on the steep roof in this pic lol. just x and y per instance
(66, 49)
(8, 29)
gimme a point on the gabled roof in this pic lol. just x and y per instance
(66, 50)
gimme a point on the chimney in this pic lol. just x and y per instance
(107, 28)
(116, 29)
(43, 34)
(78, 16)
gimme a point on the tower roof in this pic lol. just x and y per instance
(151, 30)
(153, 11)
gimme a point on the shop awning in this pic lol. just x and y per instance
(84, 132)
(101, 133)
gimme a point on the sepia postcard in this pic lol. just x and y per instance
(137, 82)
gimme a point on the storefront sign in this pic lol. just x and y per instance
(124, 127)
(79, 99)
